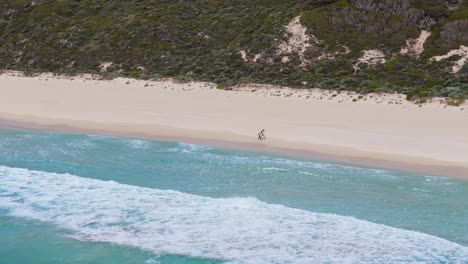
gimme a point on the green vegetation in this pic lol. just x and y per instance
(201, 40)
(458, 14)
(455, 101)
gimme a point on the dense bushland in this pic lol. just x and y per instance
(201, 40)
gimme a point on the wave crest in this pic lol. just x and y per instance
(237, 229)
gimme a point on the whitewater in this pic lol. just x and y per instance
(116, 200)
(237, 229)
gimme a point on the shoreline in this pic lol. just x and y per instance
(431, 139)
(365, 162)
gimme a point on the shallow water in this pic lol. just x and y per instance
(68, 198)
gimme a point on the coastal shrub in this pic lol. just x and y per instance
(455, 101)
(77, 36)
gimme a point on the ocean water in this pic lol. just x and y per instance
(69, 198)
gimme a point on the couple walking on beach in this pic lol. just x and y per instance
(261, 135)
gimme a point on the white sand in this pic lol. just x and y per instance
(375, 130)
(414, 47)
(371, 58)
(458, 65)
(298, 40)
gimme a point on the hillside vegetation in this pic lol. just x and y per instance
(331, 44)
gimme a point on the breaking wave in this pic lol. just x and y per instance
(243, 230)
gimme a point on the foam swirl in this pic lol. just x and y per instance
(234, 229)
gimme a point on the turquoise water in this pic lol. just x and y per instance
(67, 198)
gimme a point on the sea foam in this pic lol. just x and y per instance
(243, 230)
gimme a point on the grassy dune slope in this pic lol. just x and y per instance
(202, 40)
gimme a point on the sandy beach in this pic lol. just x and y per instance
(371, 130)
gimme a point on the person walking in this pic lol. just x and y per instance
(261, 135)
